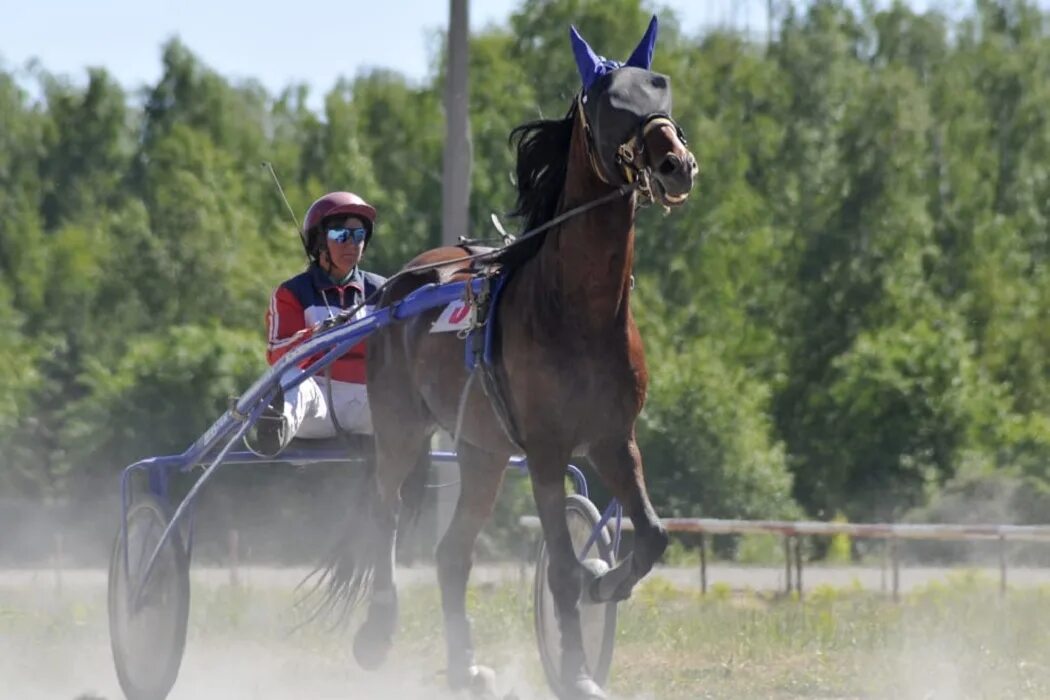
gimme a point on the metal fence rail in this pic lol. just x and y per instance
(892, 533)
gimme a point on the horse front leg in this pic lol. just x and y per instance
(619, 463)
(565, 574)
(481, 474)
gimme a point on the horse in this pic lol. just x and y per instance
(570, 370)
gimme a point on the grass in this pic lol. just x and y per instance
(957, 640)
(952, 640)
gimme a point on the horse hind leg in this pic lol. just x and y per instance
(398, 458)
(481, 474)
(619, 463)
(402, 430)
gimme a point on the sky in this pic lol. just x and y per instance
(277, 42)
(274, 41)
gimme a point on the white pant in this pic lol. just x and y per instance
(306, 408)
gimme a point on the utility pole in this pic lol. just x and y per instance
(769, 24)
(455, 183)
(455, 203)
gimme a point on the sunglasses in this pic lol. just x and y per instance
(342, 235)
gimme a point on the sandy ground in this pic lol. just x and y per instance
(211, 671)
(262, 660)
(41, 659)
(75, 661)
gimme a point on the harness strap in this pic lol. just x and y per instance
(494, 390)
(596, 166)
(621, 191)
(480, 358)
(658, 120)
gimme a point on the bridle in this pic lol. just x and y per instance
(630, 155)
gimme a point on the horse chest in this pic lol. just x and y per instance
(605, 386)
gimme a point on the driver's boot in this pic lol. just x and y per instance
(271, 433)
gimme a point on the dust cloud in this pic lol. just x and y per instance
(56, 647)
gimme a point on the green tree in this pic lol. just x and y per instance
(88, 148)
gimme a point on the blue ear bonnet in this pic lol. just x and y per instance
(592, 66)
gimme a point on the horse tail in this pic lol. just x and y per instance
(413, 491)
(343, 578)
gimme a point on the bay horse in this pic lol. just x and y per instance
(570, 365)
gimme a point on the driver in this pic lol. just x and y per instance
(335, 234)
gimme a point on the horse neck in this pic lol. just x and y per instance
(586, 262)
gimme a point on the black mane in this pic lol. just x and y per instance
(543, 159)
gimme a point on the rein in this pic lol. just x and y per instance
(564, 216)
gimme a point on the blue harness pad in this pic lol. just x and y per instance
(488, 350)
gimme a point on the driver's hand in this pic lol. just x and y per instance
(329, 322)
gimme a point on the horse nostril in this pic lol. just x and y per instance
(671, 164)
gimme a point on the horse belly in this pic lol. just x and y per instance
(440, 375)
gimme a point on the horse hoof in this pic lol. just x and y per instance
(482, 682)
(585, 688)
(370, 649)
(604, 585)
(593, 569)
(368, 653)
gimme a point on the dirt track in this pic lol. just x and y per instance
(54, 641)
(54, 645)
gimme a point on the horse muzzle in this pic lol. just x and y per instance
(674, 177)
(672, 167)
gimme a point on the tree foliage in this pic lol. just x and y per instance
(851, 311)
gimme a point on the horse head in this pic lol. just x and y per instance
(626, 108)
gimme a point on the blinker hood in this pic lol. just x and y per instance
(617, 104)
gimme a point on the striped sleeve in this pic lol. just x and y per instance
(285, 324)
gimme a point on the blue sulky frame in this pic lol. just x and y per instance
(214, 446)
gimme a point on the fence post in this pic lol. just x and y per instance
(523, 562)
(895, 559)
(1002, 565)
(703, 564)
(529, 543)
(798, 565)
(233, 546)
(787, 563)
(882, 565)
(59, 564)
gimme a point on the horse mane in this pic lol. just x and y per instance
(542, 146)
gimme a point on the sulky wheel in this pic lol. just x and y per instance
(597, 620)
(148, 636)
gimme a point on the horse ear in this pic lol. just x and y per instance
(643, 53)
(586, 59)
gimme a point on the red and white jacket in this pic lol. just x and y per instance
(298, 305)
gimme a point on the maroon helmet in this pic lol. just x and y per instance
(330, 205)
